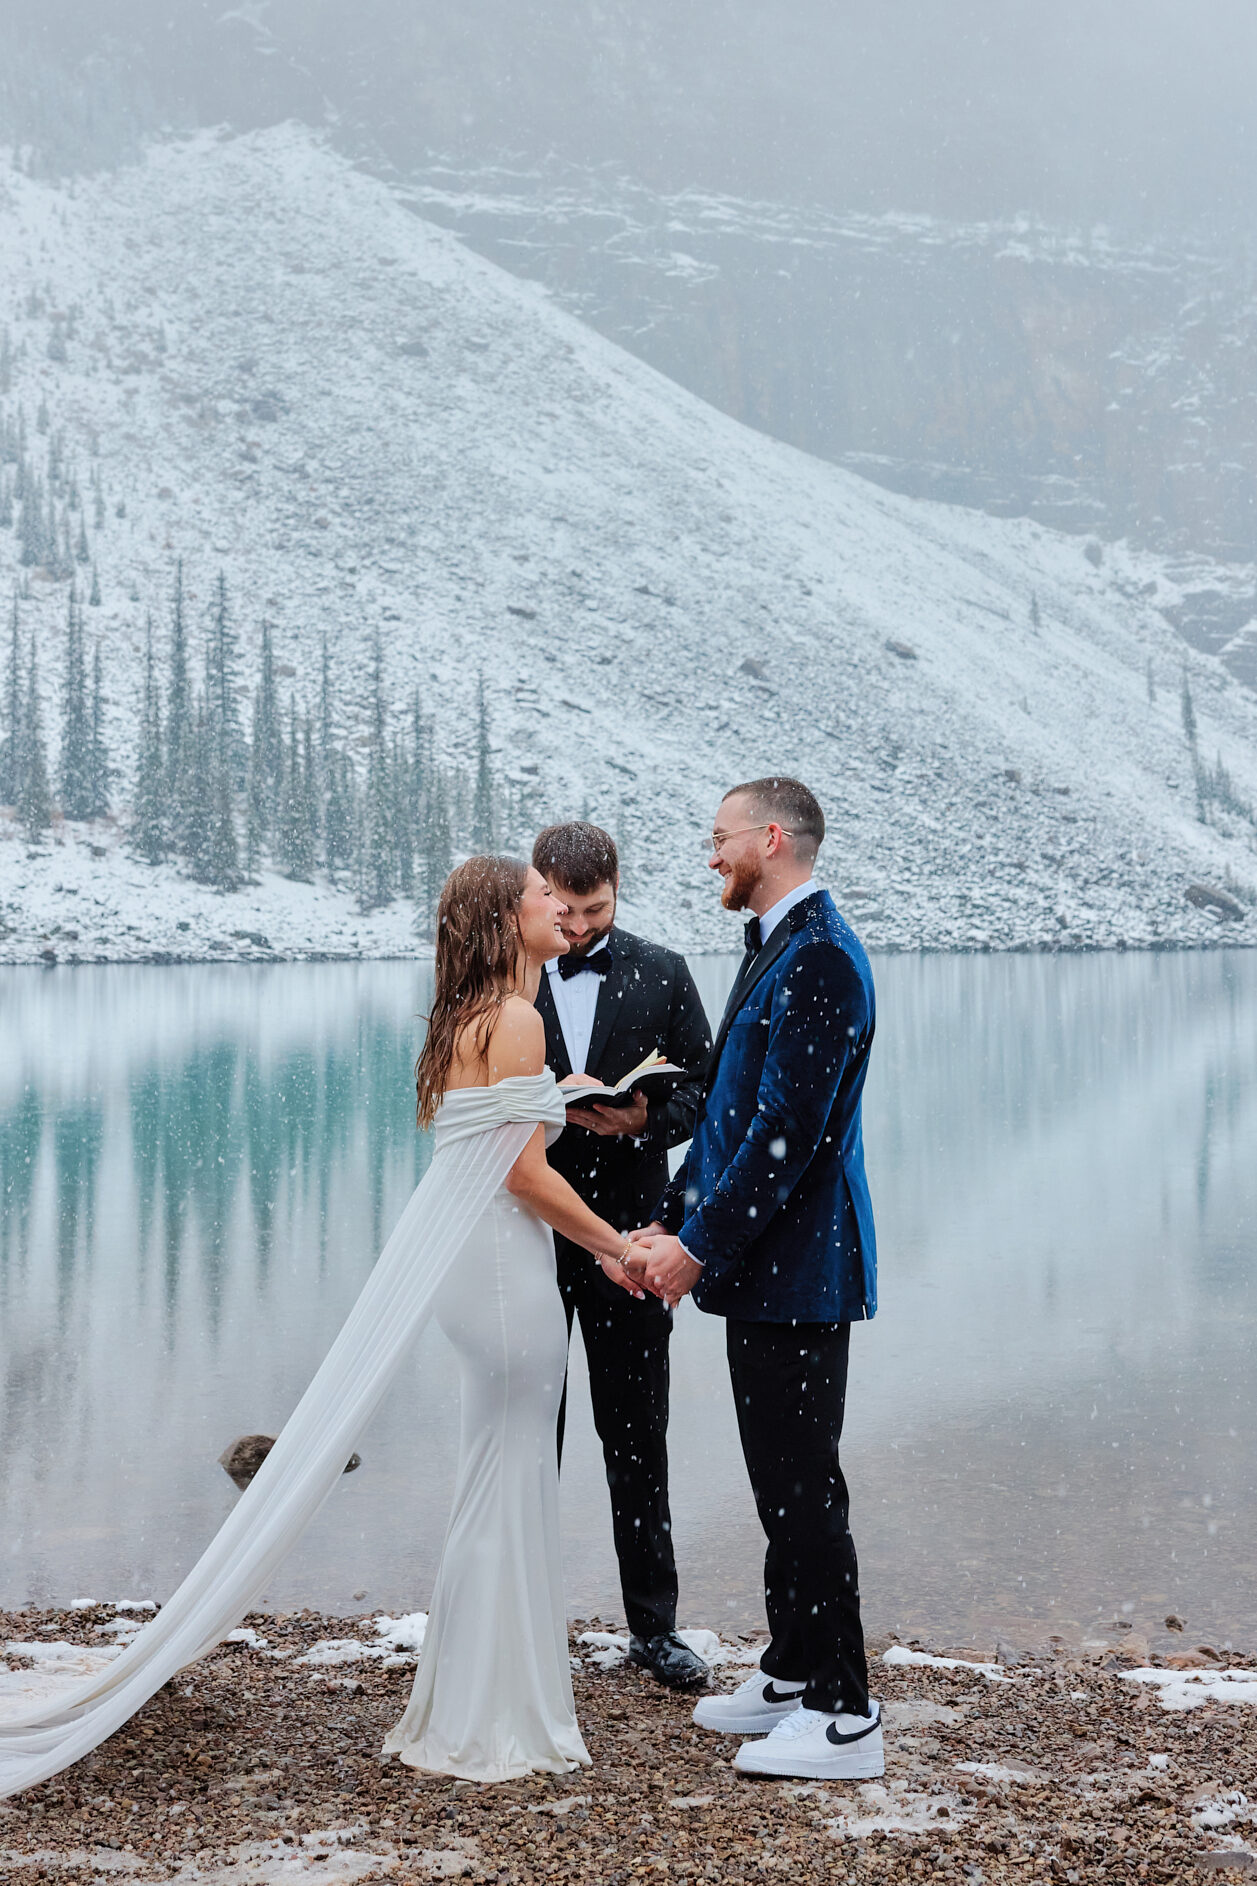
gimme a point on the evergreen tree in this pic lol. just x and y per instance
(179, 730)
(295, 837)
(148, 817)
(220, 681)
(6, 361)
(258, 796)
(310, 778)
(11, 768)
(338, 818)
(1035, 618)
(93, 601)
(1189, 714)
(222, 854)
(482, 820)
(75, 782)
(99, 768)
(82, 552)
(375, 851)
(437, 856)
(193, 810)
(31, 525)
(268, 732)
(403, 821)
(1152, 685)
(35, 800)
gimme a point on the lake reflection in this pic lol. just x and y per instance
(1050, 1420)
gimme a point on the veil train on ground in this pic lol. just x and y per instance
(301, 1469)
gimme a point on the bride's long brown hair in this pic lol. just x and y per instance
(478, 950)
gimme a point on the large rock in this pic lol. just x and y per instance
(1209, 897)
(242, 1459)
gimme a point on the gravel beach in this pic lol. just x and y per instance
(261, 1765)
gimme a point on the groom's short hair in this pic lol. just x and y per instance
(578, 856)
(788, 803)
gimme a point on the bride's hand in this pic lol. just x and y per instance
(616, 1267)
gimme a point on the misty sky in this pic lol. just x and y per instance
(1134, 112)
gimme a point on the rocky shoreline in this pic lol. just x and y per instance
(262, 1765)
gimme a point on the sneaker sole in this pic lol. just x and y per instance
(867, 1768)
(750, 1724)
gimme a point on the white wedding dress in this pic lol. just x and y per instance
(493, 1696)
(493, 1693)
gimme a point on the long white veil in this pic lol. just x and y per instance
(301, 1469)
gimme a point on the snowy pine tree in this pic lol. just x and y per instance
(180, 797)
(34, 806)
(482, 819)
(220, 682)
(99, 769)
(148, 813)
(11, 768)
(74, 776)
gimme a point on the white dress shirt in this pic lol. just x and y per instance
(576, 999)
(771, 918)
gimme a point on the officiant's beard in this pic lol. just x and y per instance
(741, 884)
(592, 937)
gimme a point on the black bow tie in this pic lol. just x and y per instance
(599, 962)
(754, 942)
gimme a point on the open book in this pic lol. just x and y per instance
(657, 1078)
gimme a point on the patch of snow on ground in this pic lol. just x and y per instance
(996, 1771)
(1188, 1689)
(899, 1653)
(248, 1637)
(326, 1857)
(608, 1649)
(56, 1666)
(404, 1633)
(887, 1807)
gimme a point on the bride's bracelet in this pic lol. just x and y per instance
(611, 1256)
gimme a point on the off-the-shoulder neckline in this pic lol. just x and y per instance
(493, 1086)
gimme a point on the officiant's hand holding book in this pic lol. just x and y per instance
(622, 1108)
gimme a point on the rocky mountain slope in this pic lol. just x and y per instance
(273, 368)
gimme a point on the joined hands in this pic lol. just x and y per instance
(666, 1269)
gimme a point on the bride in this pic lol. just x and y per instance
(492, 1696)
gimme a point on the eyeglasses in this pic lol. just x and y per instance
(716, 841)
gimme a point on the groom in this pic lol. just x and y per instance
(769, 1223)
(606, 1005)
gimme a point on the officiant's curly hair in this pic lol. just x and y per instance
(478, 949)
(578, 856)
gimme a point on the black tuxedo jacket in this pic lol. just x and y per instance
(647, 1000)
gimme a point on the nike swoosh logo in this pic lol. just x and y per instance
(780, 1696)
(832, 1735)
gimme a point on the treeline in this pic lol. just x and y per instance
(373, 810)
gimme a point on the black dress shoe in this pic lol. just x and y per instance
(669, 1660)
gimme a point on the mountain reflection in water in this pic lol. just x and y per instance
(1049, 1423)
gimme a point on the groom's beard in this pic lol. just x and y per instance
(740, 885)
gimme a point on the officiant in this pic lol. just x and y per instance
(607, 1005)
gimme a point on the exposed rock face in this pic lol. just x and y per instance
(1023, 369)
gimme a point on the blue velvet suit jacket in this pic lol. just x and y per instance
(772, 1198)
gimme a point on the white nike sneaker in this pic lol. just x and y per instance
(817, 1747)
(753, 1708)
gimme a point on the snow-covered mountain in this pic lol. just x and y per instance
(274, 368)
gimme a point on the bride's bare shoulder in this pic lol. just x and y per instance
(518, 1042)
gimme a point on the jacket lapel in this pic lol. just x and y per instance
(792, 922)
(556, 1048)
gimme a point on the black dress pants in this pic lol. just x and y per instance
(790, 1388)
(626, 1345)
